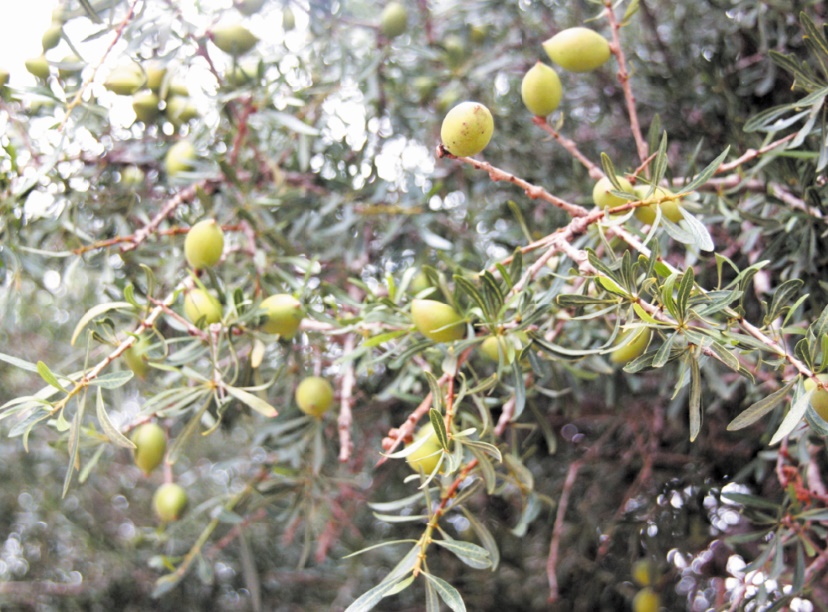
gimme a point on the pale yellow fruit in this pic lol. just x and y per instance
(70, 66)
(135, 357)
(200, 305)
(156, 71)
(669, 208)
(646, 600)
(288, 19)
(284, 315)
(632, 349)
(51, 37)
(150, 446)
(204, 244)
(455, 51)
(467, 129)
(169, 502)
(578, 49)
(427, 456)
(249, 7)
(132, 177)
(314, 396)
(393, 20)
(437, 321)
(180, 110)
(234, 39)
(541, 90)
(180, 158)
(4, 78)
(819, 400)
(604, 199)
(145, 105)
(38, 66)
(644, 572)
(125, 80)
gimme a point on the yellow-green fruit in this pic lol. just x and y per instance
(495, 346)
(70, 66)
(819, 400)
(4, 77)
(132, 177)
(150, 446)
(541, 90)
(455, 50)
(604, 199)
(478, 34)
(467, 129)
(643, 572)
(419, 283)
(578, 49)
(156, 71)
(448, 97)
(135, 357)
(177, 88)
(58, 16)
(427, 456)
(51, 37)
(125, 80)
(180, 158)
(204, 244)
(234, 39)
(437, 321)
(38, 66)
(632, 349)
(284, 314)
(199, 304)
(669, 208)
(393, 20)
(169, 502)
(249, 7)
(646, 600)
(288, 19)
(145, 105)
(314, 396)
(180, 110)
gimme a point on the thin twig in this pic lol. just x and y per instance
(570, 145)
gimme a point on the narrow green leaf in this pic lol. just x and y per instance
(253, 401)
(484, 535)
(471, 554)
(74, 444)
(781, 297)
(432, 599)
(516, 267)
(660, 162)
(108, 428)
(380, 545)
(19, 363)
(447, 593)
(695, 398)
(520, 389)
(761, 408)
(705, 175)
(793, 417)
(112, 380)
(492, 292)
(752, 501)
(467, 287)
(688, 281)
(47, 375)
(439, 425)
(725, 356)
(436, 392)
(383, 338)
(96, 311)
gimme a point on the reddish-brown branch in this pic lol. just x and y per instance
(594, 171)
(557, 530)
(343, 421)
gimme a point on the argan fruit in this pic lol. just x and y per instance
(70, 66)
(4, 77)
(604, 199)
(643, 572)
(393, 20)
(135, 357)
(145, 105)
(419, 283)
(495, 346)
(180, 110)
(200, 305)
(437, 321)
(478, 34)
(204, 244)
(541, 90)
(156, 71)
(248, 7)
(38, 66)
(51, 37)
(819, 400)
(428, 455)
(150, 446)
(646, 600)
(669, 208)
(125, 80)
(288, 19)
(132, 177)
(180, 158)
(177, 88)
(578, 49)
(169, 502)
(234, 39)
(314, 396)
(467, 129)
(632, 349)
(284, 314)
(455, 51)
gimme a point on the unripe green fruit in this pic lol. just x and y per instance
(58, 16)
(314, 396)
(819, 400)
(578, 49)
(177, 88)
(156, 71)
(38, 66)
(437, 321)
(70, 66)
(288, 19)
(51, 37)
(135, 357)
(478, 34)
(427, 456)
(180, 110)
(204, 244)
(634, 347)
(393, 20)
(669, 208)
(467, 129)
(4, 77)
(646, 600)
(604, 199)
(169, 502)
(644, 572)
(284, 314)
(180, 158)
(447, 98)
(145, 105)
(125, 80)
(541, 90)
(199, 304)
(132, 177)
(419, 283)
(424, 86)
(455, 51)
(249, 7)
(234, 39)
(495, 346)
(150, 446)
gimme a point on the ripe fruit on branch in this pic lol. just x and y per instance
(180, 110)
(70, 66)
(644, 572)
(508, 345)
(284, 314)
(428, 454)
(169, 502)
(604, 199)
(541, 90)
(204, 244)
(150, 446)
(467, 129)
(145, 105)
(156, 71)
(248, 7)
(288, 19)
(632, 349)
(234, 39)
(314, 396)
(455, 51)
(4, 77)
(819, 400)
(646, 600)
(437, 321)
(669, 208)
(38, 66)
(51, 37)
(125, 80)
(393, 20)
(198, 303)
(180, 158)
(135, 357)
(578, 49)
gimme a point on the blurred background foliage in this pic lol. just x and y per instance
(324, 153)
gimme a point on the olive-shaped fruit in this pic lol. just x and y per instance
(145, 105)
(177, 88)
(199, 304)
(132, 177)
(467, 129)
(393, 20)
(669, 208)
(495, 346)
(644, 572)
(156, 71)
(180, 110)
(602, 196)
(427, 456)
(478, 33)
(314, 396)
(419, 283)
(125, 80)
(249, 7)
(180, 158)
(284, 315)
(646, 600)
(4, 77)
(51, 37)
(541, 90)
(169, 502)
(437, 321)
(578, 49)
(288, 19)
(70, 66)
(234, 39)
(455, 51)
(150, 446)
(136, 357)
(632, 349)
(819, 400)
(204, 244)
(38, 66)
